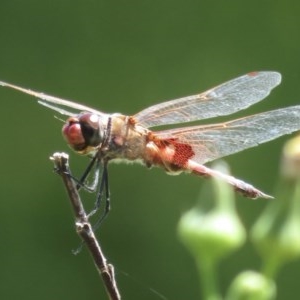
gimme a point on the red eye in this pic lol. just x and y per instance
(73, 134)
(83, 132)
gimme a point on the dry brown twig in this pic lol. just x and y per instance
(84, 228)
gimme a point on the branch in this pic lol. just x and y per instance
(84, 228)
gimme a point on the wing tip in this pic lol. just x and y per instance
(272, 76)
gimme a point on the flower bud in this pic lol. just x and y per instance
(214, 234)
(251, 285)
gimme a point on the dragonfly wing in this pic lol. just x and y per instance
(210, 142)
(48, 100)
(224, 99)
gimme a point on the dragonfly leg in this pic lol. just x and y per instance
(104, 188)
(81, 181)
(107, 199)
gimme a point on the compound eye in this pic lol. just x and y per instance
(90, 128)
(73, 134)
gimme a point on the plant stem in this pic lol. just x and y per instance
(208, 278)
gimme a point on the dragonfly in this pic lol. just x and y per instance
(113, 137)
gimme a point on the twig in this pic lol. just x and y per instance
(84, 228)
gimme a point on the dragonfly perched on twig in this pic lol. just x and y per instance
(108, 137)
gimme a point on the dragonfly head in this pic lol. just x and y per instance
(84, 133)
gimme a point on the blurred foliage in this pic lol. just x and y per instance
(122, 57)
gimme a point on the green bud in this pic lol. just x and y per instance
(251, 285)
(290, 165)
(214, 234)
(211, 236)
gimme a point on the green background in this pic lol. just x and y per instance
(123, 56)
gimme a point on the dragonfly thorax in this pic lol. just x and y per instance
(84, 132)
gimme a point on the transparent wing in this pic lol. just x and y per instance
(47, 100)
(210, 142)
(224, 99)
